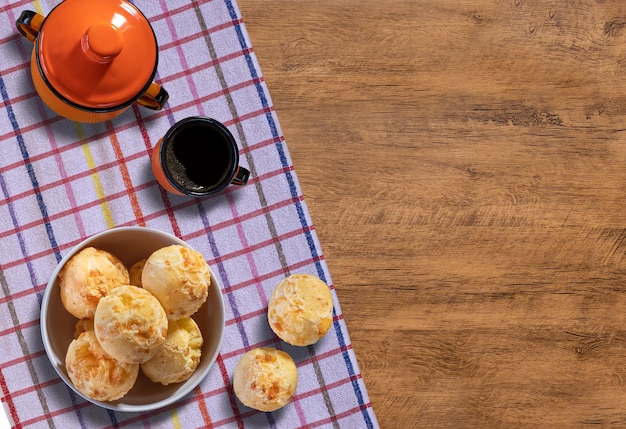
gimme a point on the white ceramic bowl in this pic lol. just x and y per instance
(131, 244)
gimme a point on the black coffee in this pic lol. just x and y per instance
(199, 158)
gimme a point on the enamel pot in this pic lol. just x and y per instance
(93, 59)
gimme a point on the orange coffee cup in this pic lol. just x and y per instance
(198, 156)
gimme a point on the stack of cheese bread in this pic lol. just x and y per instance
(132, 319)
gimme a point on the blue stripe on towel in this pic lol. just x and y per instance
(299, 208)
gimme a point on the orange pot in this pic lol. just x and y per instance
(93, 59)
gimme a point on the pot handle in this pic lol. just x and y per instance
(154, 98)
(29, 24)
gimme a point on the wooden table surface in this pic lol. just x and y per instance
(464, 164)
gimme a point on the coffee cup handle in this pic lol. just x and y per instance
(154, 98)
(242, 176)
(29, 24)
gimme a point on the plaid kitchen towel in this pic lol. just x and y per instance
(61, 182)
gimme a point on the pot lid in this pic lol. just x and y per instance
(97, 54)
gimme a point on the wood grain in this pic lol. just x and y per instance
(464, 164)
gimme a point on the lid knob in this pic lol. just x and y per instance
(102, 42)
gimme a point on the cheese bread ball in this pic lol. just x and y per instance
(83, 325)
(265, 379)
(88, 276)
(179, 356)
(300, 310)
(135, 271)
(179, 277)
(130, 324)
(96, 374)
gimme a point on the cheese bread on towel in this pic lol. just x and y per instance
(265, 379)
(300, 309)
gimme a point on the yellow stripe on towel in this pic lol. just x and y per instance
(104, 206)
(38, 7)
(95, 179)
(175, 419)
